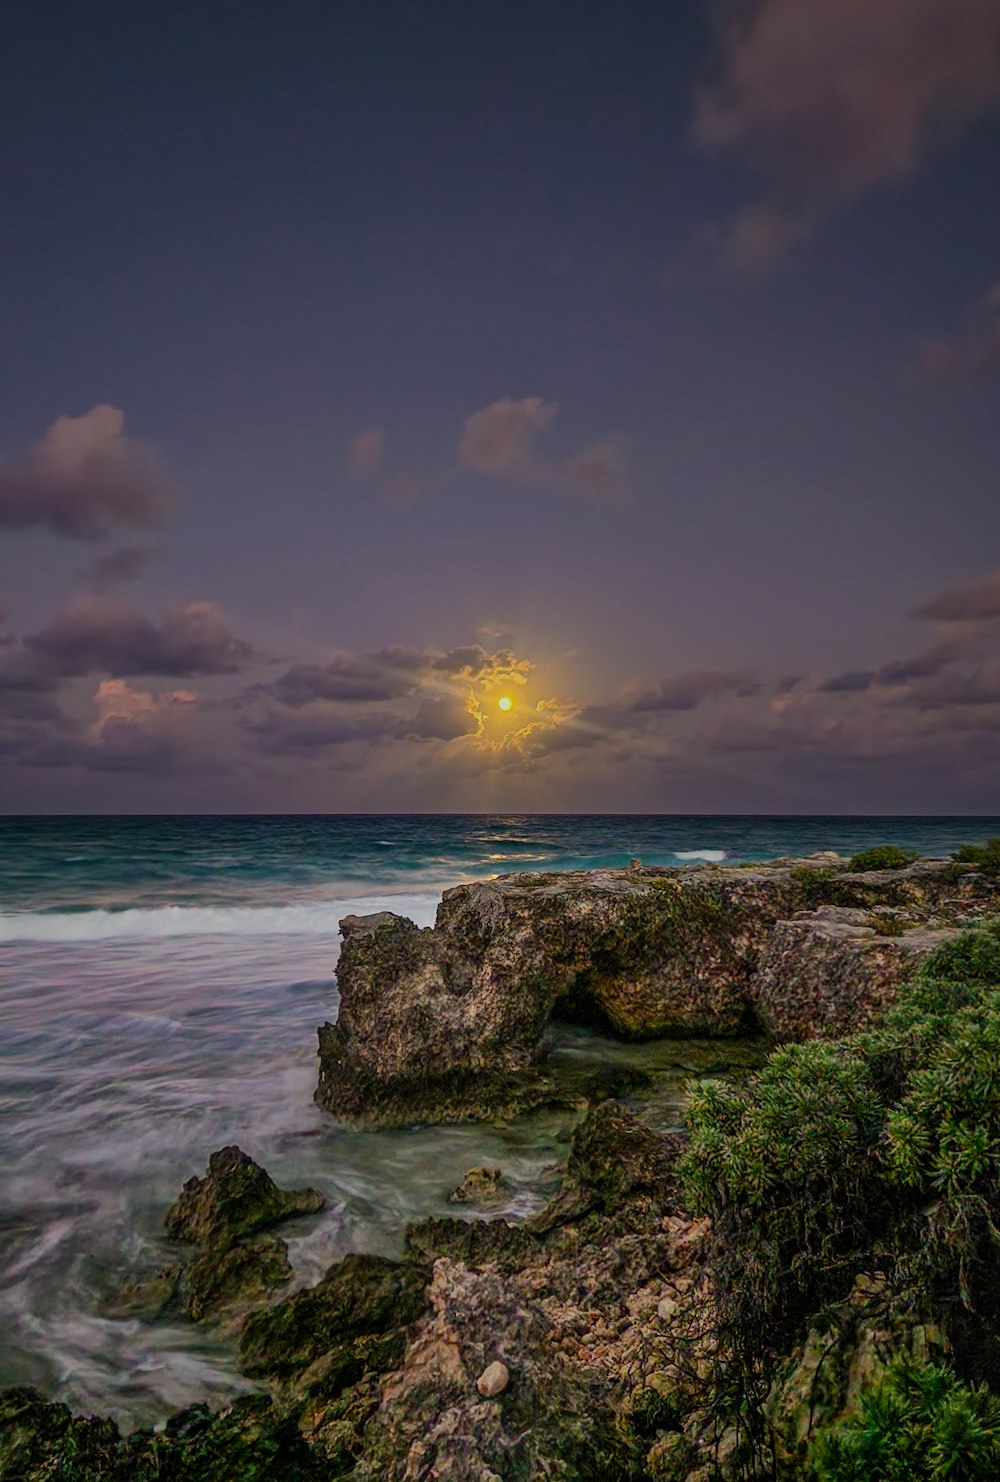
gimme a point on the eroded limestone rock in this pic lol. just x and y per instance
(831, 972)
(447, 1023)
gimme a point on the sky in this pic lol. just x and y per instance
(636, 362)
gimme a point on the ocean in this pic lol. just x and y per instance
(161, 982)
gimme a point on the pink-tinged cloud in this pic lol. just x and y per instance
(366, 453)
(84, 478)
(970, 602)
(501, 441)
(829, 99)
(502, 435)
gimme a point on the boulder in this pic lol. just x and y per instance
(227, 1215)
(482, 1186)
(359, 1297)
(614, 1157)
(830, 972)
(235, 1198)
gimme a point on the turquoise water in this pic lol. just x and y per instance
(59, 865)
(161, 981)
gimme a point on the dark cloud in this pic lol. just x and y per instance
(296, 732)
(393, 673)
(442, 719)
(829, 99)
(973, 355)
(854, 680)
(84, 478)
(970, 602)
(93, 636)
(389, 674)
(687, 691)
(125, 564)
(977, 684)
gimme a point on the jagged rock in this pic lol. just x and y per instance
(359, 1296)
(447, 1023)
(614, 1156)
(482, 1186)
(830, 972)
(250, 1440)
(475, 1242)
(235, 1198)
(227, 1215)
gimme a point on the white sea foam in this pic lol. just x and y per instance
(710, 856)
(307, 918)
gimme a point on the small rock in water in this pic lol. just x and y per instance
(493, 1380)
(481, 1186)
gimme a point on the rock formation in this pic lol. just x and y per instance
(448, 1023)
(227, 1216)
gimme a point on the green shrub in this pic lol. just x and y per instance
(985, 856)
(971, 957)
(917, 1423)
(783, 1163)
(944, 1136)
(883, 857)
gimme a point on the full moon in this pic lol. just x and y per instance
(505, 702)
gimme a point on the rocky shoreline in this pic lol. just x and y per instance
(713, 1305)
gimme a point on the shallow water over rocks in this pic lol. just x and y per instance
(125, 1062)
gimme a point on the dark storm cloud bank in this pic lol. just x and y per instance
(827, 100)
(84, 478)
(425, 722)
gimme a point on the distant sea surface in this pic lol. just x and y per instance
(161, 981)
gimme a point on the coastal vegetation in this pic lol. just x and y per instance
(883, 857)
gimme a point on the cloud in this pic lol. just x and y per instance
(388, 674)
(125, 564)
(116, 699)
(472, 662)
(499, 441)
(94, 636)
(971, 356)
(393, 673)
(972, 602)
(366, 453)
(442, 719)
(289, 733)
(829, 99)
(853, 682)
(688, 691)
(84, 478)
(501, 436)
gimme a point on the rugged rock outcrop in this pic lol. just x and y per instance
(829, 972)
(447, 1023)
(227, 1216)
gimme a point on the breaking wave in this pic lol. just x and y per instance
(307, 918)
